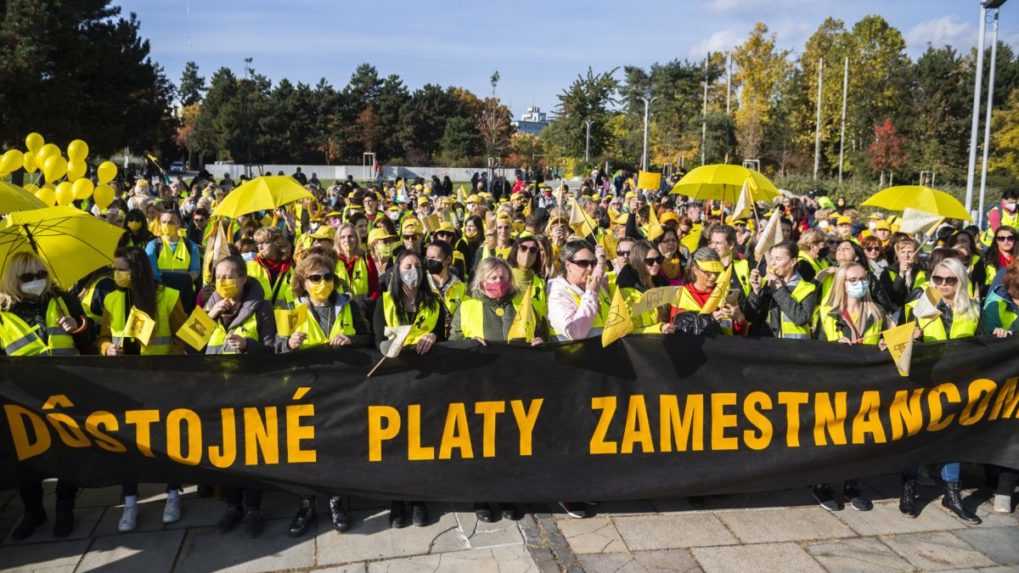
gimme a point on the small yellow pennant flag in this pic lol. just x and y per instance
(721, 291)
(139, 326)
(618, 324)
(650, 181)
(609, 243)
(289, 321)
(899, 340)
(197, 330)
(653, 229)
(523, 324)
(580, 221)
(693, 238)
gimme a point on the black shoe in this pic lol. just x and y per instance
(857, 500)
(254, 523)
(577, 509)
(29, 523)
(398, 518)
(205, 490)
(909, 500)
(511, 511)
(826, 498)
(484, 512)
(340, 513)
(419, 513)
(230, 519)
(63, 524)
(306, 516)
(952, 501)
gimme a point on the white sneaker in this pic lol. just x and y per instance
(1002, 503)
(171, 511)
(129, 519)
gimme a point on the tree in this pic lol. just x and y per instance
(192, 86)
(460, 142)
(587, 98)
(1006, 135)
(885, 152)
(761, 70)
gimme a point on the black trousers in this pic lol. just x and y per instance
(30, 490)
(250, 498)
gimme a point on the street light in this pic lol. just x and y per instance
(647, 112)
(587, 142)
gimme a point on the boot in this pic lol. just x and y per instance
(340, 512)
(909, 501)
(304, 518)
(952, 501)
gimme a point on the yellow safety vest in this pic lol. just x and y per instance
(934, 328)
(818, 266)
(788, 328)
(161, 342)
(20, 339)
(248, 329)
(472, 317)
(454, 295)
(356, 284)
(688, 303)
(1005, 316)
(646, 323)
(88, 297)
(599, 319)
(343, 323)
(424, 323)
(498, 252)
(741, 268)
(830, 329)
(174, 259)
(280, 293)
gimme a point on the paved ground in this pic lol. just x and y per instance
(781, 531)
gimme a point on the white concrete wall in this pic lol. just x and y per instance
(360, 173)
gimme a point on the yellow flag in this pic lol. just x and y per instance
(139, 326)
(580, 221)
(432, 222)
(461, 195)
(523, 324)
(653, 229)
(693, 238)
(650, 181)
(609, 243)
(216, 249)
(197, 330)
(618, 324)
(288, 321)
(721, 291)
(900, 345)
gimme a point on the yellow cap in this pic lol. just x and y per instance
(378, 235)
(411, 226)
(473, 198)
(843, 220)
(710, 266)
(335, 214)
(324, 232)
(882, 224)
(669, 216)
(445, 227)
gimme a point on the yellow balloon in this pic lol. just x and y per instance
(11, 161)
(77, 150)
(31, 188)
(107, 171)
(47, 195)
(103, 196)
(76, 169)
(30, 163)
(45, 152)
(54, 168)
(64, 194)
(82, 188)
(34, 141)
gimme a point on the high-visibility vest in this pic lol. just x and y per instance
(788, 328)
(647, 322)
(356, 282)
(498, 252)
(20, 339)
(688, 303)
(1006, 316)
(919, 279)
(161, 342)
(832, 333)
(453, 296)
(279, 293)
(599, 319)
(343, 323)
(818, 266)
(472, 317)
(539, 295)
(174, 259)
(89, 296)
(424, 323)
(741, 270)
(934, 328)
(217, 343)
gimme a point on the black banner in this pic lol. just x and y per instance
(647, 417)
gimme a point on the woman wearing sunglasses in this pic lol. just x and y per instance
(1001, 253)
(947, 312)
(701, 279)
(579, 298)
(643, 271)
(527, 265)
(36, 319)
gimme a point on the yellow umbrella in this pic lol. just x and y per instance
(14, 198)
(261, 194)
(724, 182)
(71, 242)
(920, 198)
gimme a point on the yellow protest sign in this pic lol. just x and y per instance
(654, 298)
(618, 324)
(288, 321)
(197, 330)
(139, 326)
(649, 180)
(523, 322)
(899, 340)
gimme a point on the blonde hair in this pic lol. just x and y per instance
(356, 251)
(808, 239)
(485, 267)
(10, 286)
(962, 303)
(837, 297)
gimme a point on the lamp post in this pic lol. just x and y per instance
(977, 84)
(587, 142)
(987, 119)
(647, 113)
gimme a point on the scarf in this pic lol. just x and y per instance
(275, 268)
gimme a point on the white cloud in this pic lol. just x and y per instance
(939, 32)
(721, 41)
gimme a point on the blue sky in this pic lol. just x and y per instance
(537, 47)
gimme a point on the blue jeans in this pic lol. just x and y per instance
(950, 472)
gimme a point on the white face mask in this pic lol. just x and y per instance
(35, 288)
(410, 277)
(1010, 206)
(248, 256)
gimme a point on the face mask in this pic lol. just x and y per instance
(35, 288)
(227, 288)
(135, 226)
(496, 290)
(394, 217)
(409, 277)
(471, 233)
(321, 290)
(857, 290)
(122, 278)
(1010, 206)
(169, 231)
(248, 256)
(434, 267)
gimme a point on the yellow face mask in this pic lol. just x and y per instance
(228, 288)
(122, 278)
(135, 226)
(169, 231)
(321, 290)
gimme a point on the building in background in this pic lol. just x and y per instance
(532, 121)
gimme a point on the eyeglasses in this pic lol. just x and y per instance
(940, 280)
(622, 253)
(1005, 238)
(199, 221)
(28, 277)
(317, 278)
(875, 249)
(654, 260)
(527, 248)
(410, 237)
(586, 263)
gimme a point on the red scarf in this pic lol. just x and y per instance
(1004, 259)
(275, 268)
(699, 296)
